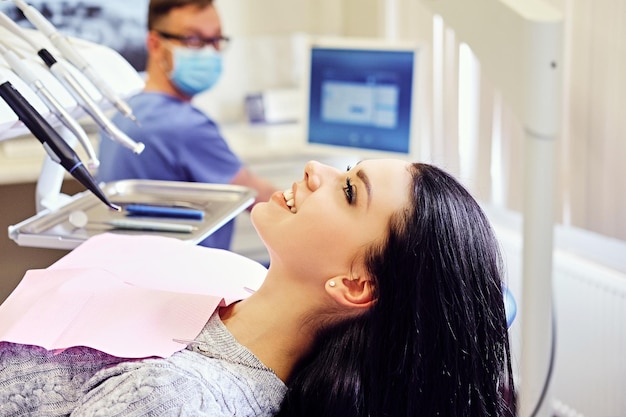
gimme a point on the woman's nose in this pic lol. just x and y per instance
(312, 175)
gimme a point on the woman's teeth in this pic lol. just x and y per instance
(289, 199)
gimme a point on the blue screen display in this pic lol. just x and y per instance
(361, 98)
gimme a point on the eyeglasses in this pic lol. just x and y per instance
(219, 43)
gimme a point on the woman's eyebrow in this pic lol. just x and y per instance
(366, 181)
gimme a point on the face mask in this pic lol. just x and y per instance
(195, 70)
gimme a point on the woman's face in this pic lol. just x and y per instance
(338, 216)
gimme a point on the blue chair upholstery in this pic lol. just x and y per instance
(510, 307)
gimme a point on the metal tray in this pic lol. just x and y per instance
(52, 229)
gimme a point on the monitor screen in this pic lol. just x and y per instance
(361, 95)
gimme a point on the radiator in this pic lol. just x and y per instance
(589, 289)
(590, 368)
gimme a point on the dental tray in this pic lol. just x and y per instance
(52, 228)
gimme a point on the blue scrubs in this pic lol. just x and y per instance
(182, 144)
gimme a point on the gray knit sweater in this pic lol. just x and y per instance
(214, 377)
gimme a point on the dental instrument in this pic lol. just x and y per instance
(163, 211)
(79, 219)
(64, 75)
(24, 72)
(70, 53)
(58, 150)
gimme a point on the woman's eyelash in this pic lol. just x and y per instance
(349, 190)
(349, 167)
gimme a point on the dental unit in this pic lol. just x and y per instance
(70, 53)
(24, 72)
(56, 147)
(61, 71)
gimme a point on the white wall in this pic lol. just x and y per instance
(280, 17)
(267, 44)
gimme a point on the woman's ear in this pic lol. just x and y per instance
(355, 292)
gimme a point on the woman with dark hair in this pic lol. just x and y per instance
(383, 298)
(435, 341)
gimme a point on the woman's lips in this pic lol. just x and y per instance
(279, 198)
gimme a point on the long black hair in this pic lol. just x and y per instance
(435, 343)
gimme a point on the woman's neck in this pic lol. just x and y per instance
(279, 335)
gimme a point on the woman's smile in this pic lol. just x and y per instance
(290, 199)
(279, 198)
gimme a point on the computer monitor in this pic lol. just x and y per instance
(361, 96)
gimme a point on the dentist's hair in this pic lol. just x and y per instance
(435, 342)
(160, 8)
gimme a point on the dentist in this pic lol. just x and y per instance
(185, 45)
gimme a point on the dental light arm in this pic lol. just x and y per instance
(25, 73)
(63, 44)
(520, 48)
(63, 74)
(58, 150)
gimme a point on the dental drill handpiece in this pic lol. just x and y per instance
(63, 74)
(25, 73)
(58, 150)
(62, 43)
